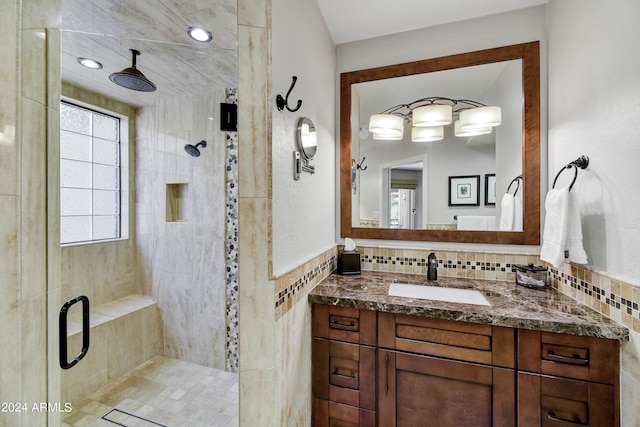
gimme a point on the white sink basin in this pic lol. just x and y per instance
(437, 293)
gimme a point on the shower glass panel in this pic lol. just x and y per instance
(120, 250)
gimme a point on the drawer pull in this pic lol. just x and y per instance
(347, 375)
(386, 375)
(574, 359)
(336, 324)
(576, 421)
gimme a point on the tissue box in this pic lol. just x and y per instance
(348, 262)
(531, 276)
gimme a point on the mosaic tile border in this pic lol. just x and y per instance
(231, 243)
(611, 297)
(296, 284)
(469, 264)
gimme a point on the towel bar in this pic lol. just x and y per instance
(581, 162)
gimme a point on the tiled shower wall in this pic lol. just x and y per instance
(182, 256)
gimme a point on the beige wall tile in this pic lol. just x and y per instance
(8, 100)
(630, 410)
(34, 65)
(33, 201)
(91, 372)
(34, 339)
(256, 292)
(254, 13)
(257, 399)
(254, 77)
(293, 366)
(41, 13)
(630, 356)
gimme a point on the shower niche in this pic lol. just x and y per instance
(178, 202)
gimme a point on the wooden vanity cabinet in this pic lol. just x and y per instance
(344, 367)
(443, 373)
(567, 380)
(382, 369)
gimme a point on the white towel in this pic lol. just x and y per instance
(518, 219)
(574, 233)
(475, 222)
(507, 212)
(555, 226)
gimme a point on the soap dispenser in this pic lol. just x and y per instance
(432, 264)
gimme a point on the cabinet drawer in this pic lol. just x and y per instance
(332, 414)
(489, 345)
(416, 390)
(344, 324)
(552, 401)
(571, 356)
(344, 373)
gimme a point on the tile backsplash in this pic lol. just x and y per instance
(600, 291)
(609, 296)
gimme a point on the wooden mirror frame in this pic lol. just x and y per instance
(529, 53)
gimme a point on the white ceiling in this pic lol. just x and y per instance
(351, 20)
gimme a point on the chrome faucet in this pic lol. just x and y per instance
(432, 263)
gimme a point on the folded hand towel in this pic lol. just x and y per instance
(518, 219)
(475, 222)
(555, 226)
(574, 233)
(507, 211)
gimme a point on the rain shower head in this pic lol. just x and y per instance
(131, 78)
(192, 150)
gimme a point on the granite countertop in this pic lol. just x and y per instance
(512, 305)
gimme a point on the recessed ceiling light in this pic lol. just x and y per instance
(89, 63)
(199, 34)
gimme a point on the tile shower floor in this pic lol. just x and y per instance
(162, 392)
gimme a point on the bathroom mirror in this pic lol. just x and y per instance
(307, 138)
(480, 65)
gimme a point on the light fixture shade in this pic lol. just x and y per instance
(387, 124)
(387, 137)
(431, 115)
(480, 117)
(427, 134)
(470, 132)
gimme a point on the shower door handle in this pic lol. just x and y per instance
(64, 363)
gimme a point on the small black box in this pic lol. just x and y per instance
(348, 262)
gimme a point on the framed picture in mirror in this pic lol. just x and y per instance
(463, 190)
(490, 189)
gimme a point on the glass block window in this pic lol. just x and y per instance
(90, 178)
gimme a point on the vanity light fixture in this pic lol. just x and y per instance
(387, 137)
(89, 63)
(480, 117)
(427, 134)
(459, 132)
(199, 34)
(432, 115)
(386, 124)
(475, 118)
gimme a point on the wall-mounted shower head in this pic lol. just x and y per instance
(193, 149)
(132, 78)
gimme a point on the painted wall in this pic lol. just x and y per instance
(594, 109)
(475, 34)
(182, 259)
(302, 211)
